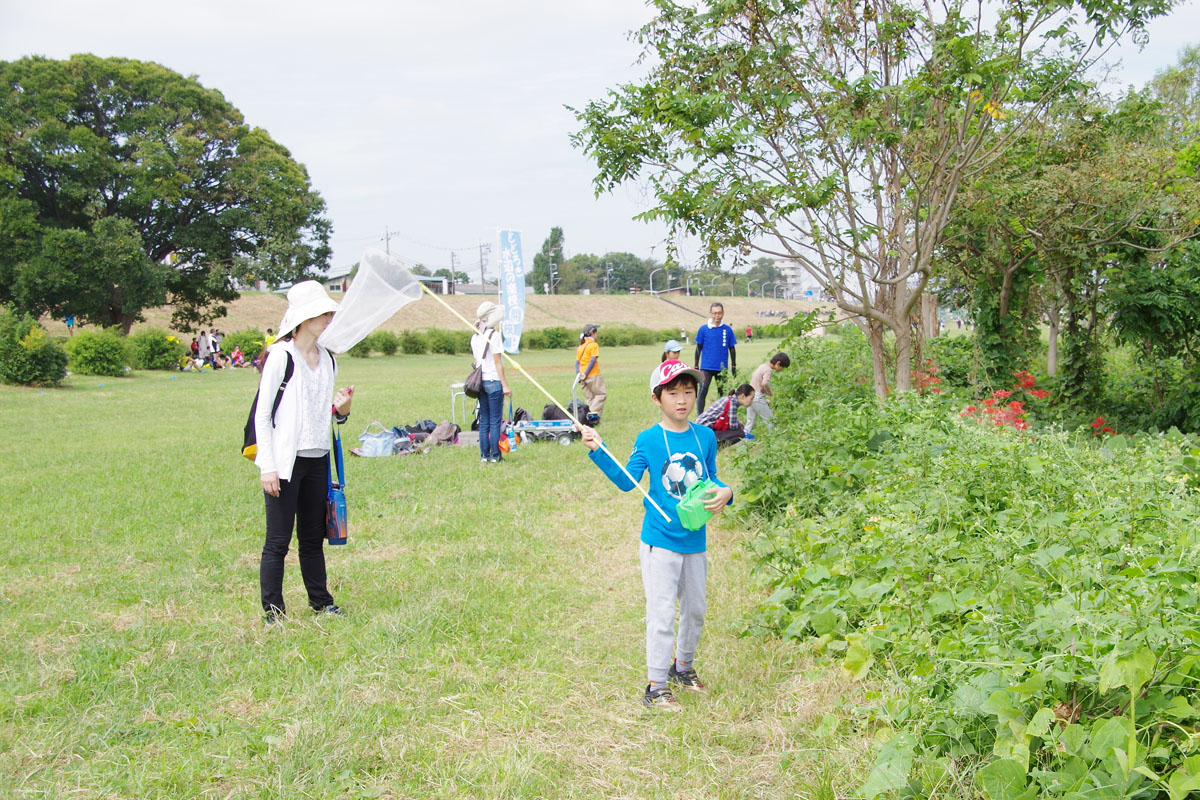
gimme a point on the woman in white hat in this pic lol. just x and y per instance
(486, 346)
(293, 447)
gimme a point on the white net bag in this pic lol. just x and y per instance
(381, 288)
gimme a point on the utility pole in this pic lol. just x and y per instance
(484, 249)
(387, 239)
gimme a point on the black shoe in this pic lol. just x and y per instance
(274, 617)
(687, 679)
(660, 699)
(329, 611)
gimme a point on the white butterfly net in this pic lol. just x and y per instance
(381, 288)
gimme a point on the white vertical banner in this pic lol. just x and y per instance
(512, 289)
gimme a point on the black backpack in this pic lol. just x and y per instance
(249, 436)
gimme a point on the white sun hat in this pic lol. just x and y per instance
(306, 300)
(489, 314)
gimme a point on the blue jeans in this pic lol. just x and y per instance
(491, 408)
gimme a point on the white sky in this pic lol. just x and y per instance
(441, 122)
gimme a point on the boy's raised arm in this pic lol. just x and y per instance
(636, 465)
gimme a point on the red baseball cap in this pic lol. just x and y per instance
(668, 371)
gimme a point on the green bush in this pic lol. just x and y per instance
(251, 341)
(386, 342)
(154, 349)
(1028, 600)
(533, 340)
(413, 343)
(440, 341)
(28, 356)
(955, 357)
(97, 352)
(462, 341)
(558, 338)
(362, 349)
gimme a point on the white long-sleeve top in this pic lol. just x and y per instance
(308, 396)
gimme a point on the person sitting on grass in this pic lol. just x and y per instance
(722, 418)
(677, 453)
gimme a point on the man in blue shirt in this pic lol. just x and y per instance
(714, 350)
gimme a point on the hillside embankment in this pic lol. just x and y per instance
(263, 310)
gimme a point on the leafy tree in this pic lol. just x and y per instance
(836, 133)
(124, 185)
(552, 248)
(444, 272)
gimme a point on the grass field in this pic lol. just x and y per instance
(494, 646)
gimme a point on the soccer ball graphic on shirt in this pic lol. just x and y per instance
(680, 472)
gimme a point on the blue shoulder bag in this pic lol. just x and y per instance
(335, 505)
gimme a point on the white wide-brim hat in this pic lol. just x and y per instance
(489, 314)
(306, 300)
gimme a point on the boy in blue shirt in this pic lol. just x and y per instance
(677, 453)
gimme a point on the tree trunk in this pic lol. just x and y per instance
(904, 336)
(878, 363)
(930, 328)
(1052, 353)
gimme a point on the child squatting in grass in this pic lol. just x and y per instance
(677, 453)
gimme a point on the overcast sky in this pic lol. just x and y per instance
(438, 122)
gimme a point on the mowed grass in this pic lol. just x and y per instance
(494, 646)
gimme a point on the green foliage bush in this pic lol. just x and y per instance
(462, 341)
(97, 352)
(386, 342)
(441, 342)
(413, 343)
(252, 342)
(1030, 600)
(955, 357)
(155, 349)
(559, 338)
(533, 340)
(28, 356)
(362, 349)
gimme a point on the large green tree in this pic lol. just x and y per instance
(124, 185)
(838, 133)
(552, 250)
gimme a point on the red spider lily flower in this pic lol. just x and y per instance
(1098, 423)
(989, 401)
(1040, 394)
(1001, 394)
(1107, 430)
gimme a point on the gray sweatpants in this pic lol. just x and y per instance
(668, 577)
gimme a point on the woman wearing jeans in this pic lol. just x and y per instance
(487, 345)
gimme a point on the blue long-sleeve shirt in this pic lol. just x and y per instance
(675, 461)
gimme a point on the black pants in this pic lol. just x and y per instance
(708, 374)
(301, 503)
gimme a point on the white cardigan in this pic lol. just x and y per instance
(277, 444)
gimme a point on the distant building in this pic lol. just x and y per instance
(476, 288)
(337, 279)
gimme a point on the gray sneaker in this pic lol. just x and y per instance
(660, 699)
(687, 679)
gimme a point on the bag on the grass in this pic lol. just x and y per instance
(552, 412)
(377, 443)
(249, 435)
(445, 433)
(336, 525)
